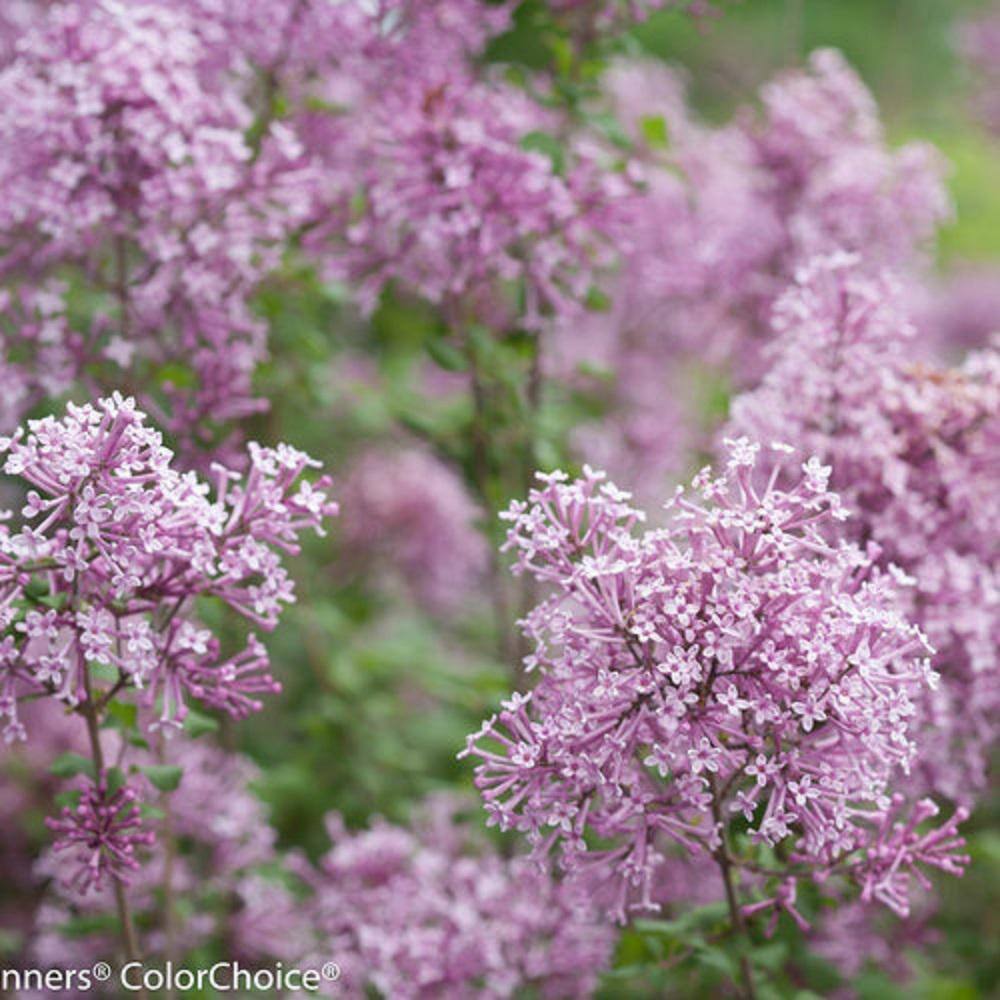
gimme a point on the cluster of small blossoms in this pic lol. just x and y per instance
(98, 585)
(440, 196)
(128, 171)
(914, 453)
(103, 832)
(221, 837)
(455, 210)
(834, 179)
(733, 662)
(409, 512)
(961, 312)
(431, 911)
(726, 216)
(41, 356)
(979, 43)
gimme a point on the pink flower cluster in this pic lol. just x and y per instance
(410, 513)
(726, 217)
(440, 195)
(221, 837)
(115, 548)
(126, 169)
(734, 662)
(914, 453)
(103, 832)
(432, 912)
(98, 587)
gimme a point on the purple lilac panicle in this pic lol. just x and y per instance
(733, 662)
(725, 217)
(979, 43)
(411, 512)
(914, 451)
(433, 912)
(121, 543)
(125, 165)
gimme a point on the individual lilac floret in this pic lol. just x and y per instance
(735, 662)
(116, 546)
(104, 830)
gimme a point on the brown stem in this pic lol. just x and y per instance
(129, 940)
(723, 860)
(169, 841)
(506, 648)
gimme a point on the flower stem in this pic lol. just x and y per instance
(169, 841)
(722, 859)
(481, 452)
(129, 941)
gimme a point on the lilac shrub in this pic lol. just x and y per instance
(735, 665)
(978, 43)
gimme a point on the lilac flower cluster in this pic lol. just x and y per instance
(408, 511)
(440, 195)
(431, 912)
(979, 43)
(103, 832)
(726, 217)
(119, 544)
(219, 837)
(734, 662)
(127, 169)
(914, 453)
(98, 586)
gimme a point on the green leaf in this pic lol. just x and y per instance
(165, 777)
(197, 724)
(115, 779)
(597, 301)
(547, 145)
(69, 765)
(122, 715)
(67, 800)
(654, 131)
(446, 355)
